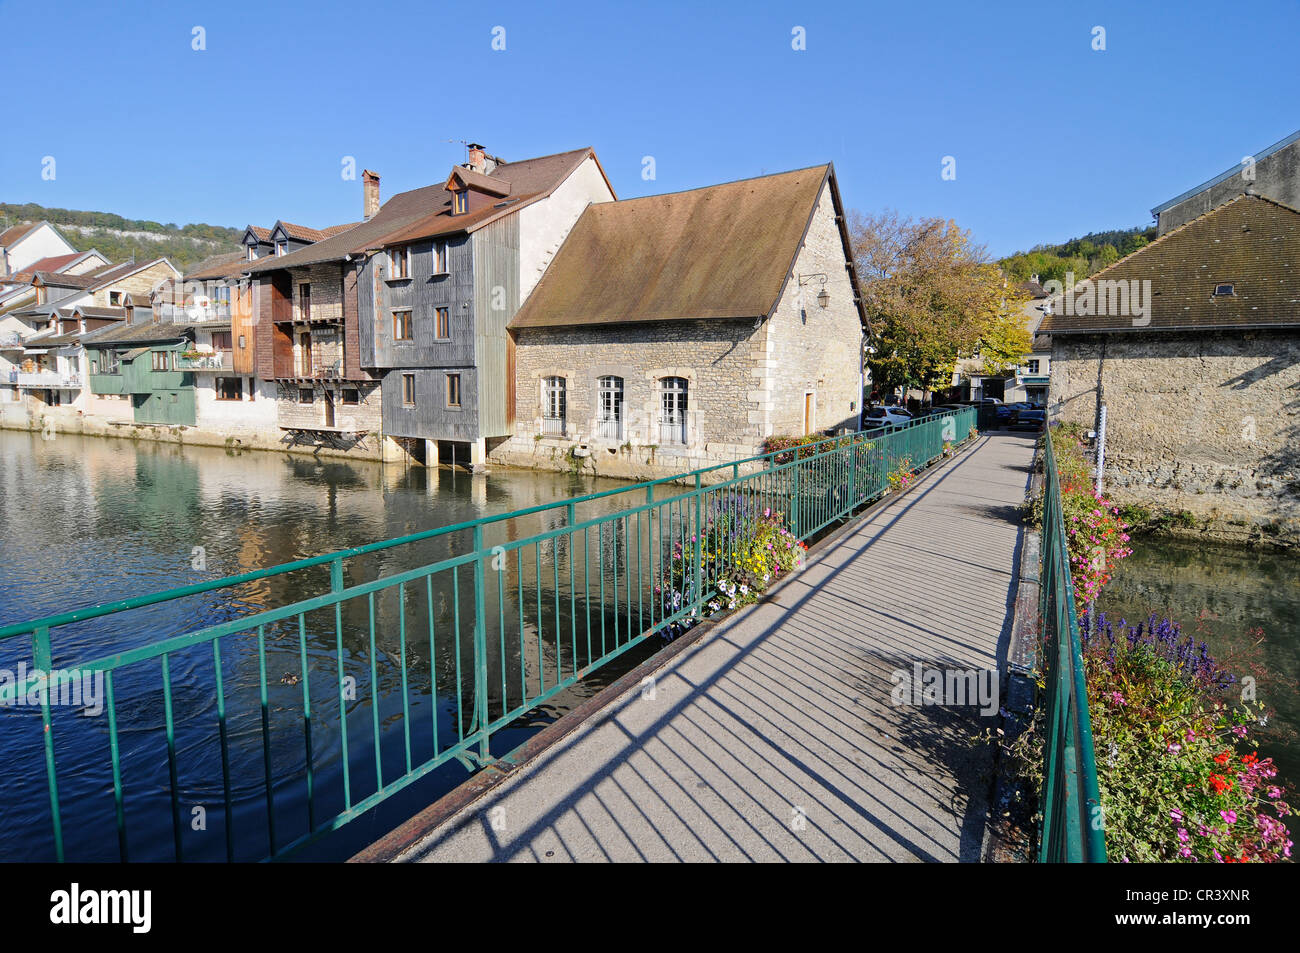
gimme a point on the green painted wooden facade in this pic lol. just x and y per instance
(163, 397)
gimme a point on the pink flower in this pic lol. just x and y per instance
(1229, 816)
(1176, 814)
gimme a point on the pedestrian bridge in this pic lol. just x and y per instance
(775, 735)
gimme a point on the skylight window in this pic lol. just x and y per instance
(1223, 291)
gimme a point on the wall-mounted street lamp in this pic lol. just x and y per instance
(823, 296)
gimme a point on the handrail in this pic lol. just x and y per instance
(506, 628)
(239, 579)
(1073, 821)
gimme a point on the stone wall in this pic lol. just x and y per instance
(1206, 424)
(722, 361)
(811, 349)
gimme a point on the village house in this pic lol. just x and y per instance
(23, 245)
(52, 369)
(675, 331)
(437, 296)
(216, 303)
(20, 291)
(1028, 380)
(1202, 380)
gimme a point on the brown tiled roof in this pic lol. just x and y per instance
(260, 233)
(426, 212)
(719, 252)
(219, 266)
(95, 311)
(491, 184)
(64, 281)
(1250, 242)
(147, 331)
(54, 263)
(303, 233)
(15, 232)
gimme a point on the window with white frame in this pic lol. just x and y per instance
(553, 405)
(609, 409)
(399, 262)
(672, 409)
(440, 258)
(1032, 366)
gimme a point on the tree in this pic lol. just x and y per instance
(932, 297)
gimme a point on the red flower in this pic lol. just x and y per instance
(1250, 759)
(1222, 757)
(1220, 784)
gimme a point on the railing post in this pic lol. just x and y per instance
(794, 497)
(42, 656)
(480, 647)
(699, 547)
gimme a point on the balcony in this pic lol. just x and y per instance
(217, 311)
(46, 379)
(204, 361)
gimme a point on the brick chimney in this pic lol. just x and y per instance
(477, 158)
(370, 186)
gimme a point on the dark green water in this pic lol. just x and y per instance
(1245, 604)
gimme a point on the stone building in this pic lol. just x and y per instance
(1273, 173)
(1194, 343)
(675, 331)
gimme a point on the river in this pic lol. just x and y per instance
(1244, 603)
(85, 520)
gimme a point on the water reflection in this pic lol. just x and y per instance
(1244, 603)
(87, 520)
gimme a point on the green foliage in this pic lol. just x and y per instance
(1082, 256)
(183, 245)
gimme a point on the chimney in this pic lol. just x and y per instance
(477, 158)
(370, 185)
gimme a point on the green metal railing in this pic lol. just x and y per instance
(1072, 817)
(508, 624)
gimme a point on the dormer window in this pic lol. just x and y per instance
(1223, 291)
(252, 253)
(460, 202)
(279, 248)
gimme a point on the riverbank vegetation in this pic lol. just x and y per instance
(1178, 771)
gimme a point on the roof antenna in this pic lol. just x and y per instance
(465, 144)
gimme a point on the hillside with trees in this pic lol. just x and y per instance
(121, 238)
(1083, 256)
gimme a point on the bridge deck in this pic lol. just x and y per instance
(784, 711)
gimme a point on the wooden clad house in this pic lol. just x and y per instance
(138, 363)
(438, 293)
(396, 325)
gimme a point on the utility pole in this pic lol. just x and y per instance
(1101, 439)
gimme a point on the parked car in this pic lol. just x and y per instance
(886, 417)
(1031, 418)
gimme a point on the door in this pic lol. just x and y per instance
(304, 343)
(809, 413)
(329, 408)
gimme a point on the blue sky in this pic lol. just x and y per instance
(1051, 138)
